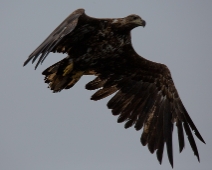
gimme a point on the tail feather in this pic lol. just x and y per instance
(62, 75)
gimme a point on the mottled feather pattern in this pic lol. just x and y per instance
(144, 92)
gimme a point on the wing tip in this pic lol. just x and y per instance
(26, 62)
(198, 158)
(171, 161)
(172, 165)
(199, 136)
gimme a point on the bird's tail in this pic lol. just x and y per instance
(62, 75)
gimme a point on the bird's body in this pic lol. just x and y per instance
(146, 96)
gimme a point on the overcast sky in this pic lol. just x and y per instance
(40, 130)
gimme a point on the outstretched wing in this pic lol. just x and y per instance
(55, 38)
(146, 97)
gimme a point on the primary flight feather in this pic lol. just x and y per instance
(145, 97)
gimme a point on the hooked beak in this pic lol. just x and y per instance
(143, 23)
(140, 22)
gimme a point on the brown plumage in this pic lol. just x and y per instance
(146, 96)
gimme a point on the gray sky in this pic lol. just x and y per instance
(40, 130)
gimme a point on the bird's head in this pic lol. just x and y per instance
(134, 21)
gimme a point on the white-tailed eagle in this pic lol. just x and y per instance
(145, 97)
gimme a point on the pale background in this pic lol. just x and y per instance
(40, 130)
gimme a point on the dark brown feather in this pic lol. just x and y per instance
(167, 130)
(180, 135)
(95, 84)
(191, 140)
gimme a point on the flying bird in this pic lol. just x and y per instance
(145, 94)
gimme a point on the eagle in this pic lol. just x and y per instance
(144, 92)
